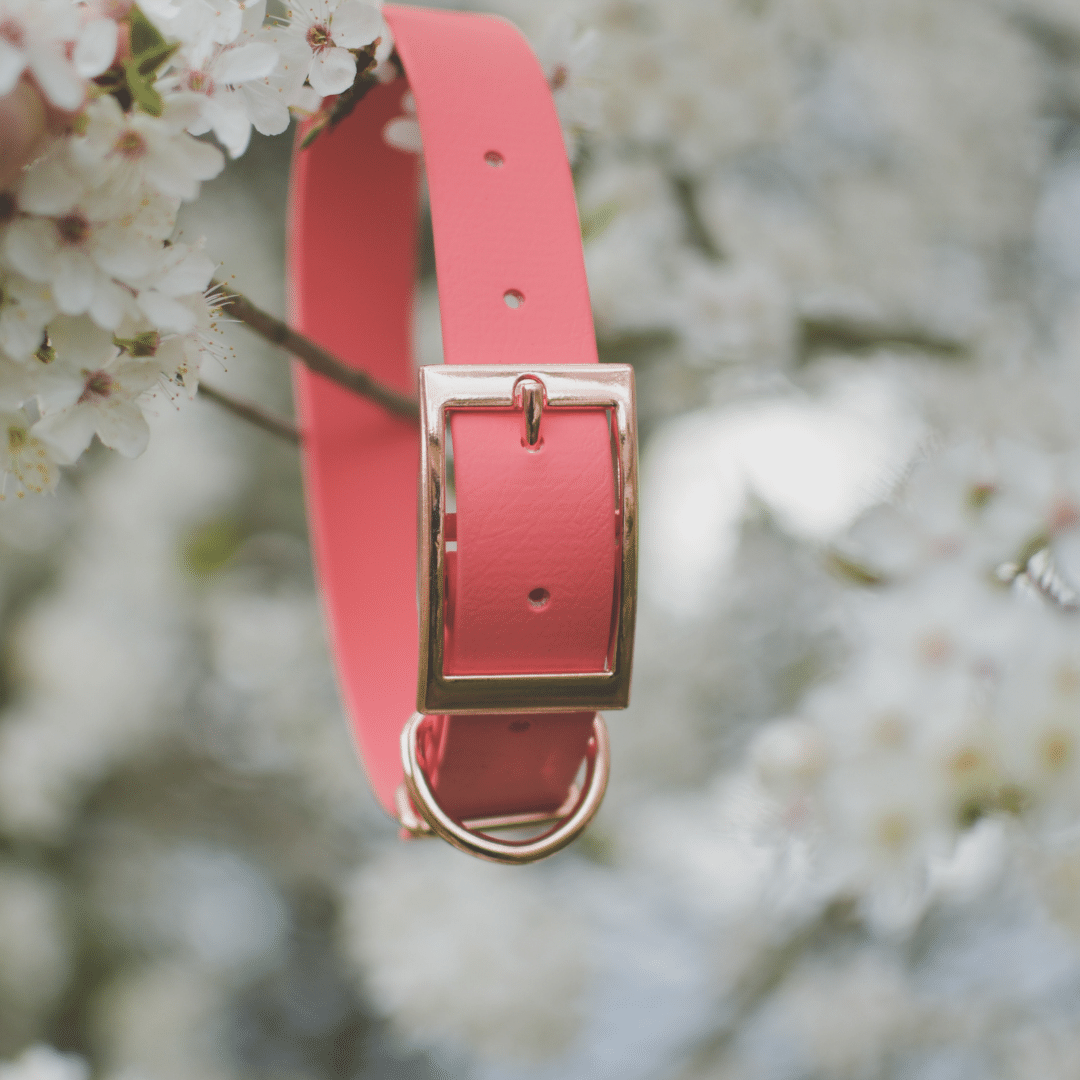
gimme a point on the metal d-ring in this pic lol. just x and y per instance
(480, 844)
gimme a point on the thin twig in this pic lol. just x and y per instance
(315, 357)
(276, 425)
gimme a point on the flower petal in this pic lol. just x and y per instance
(73, 284)
(56, 78)
(12, 63)
(165, 313)
(32, 247)
(49, 187)
(255, 60)
(176, 167)
(25, 458)
(191, 274)
(228, 23)
(122, 253)
(134, 377)
(267, 109)
(25, 309)
(231, 124)
(122, 427)
(57, 386)
(332, 71)
(79, 343)
(68, 432)
(254, 14)
(96, 49)
(355, 23)
(16, 384)
(111, 302)
(180, 111)
(306, 99)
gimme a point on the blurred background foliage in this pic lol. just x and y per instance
(829, 235)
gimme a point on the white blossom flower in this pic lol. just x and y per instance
(41, 1062)
(106, 407)
(19, 382)
(219, 78)
(568, 56)
(123, 151)
(94, 390)
(51, 184)
(46, 38)
(25, 309)
(172, 289)
(202, 24)
(84, 257)
(331, 28)
(961, 697)
(468, 990)
(737, 315)
(24, 458)
(178, 356)
(206, 340)
(269, 100)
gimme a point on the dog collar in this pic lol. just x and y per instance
(526, 584)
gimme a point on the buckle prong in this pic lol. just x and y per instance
(532, 407)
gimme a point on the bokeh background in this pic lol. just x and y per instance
(840, 242)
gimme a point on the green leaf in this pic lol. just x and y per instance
(853, 572)
(209, 546)
(596, 221)
(155, 59)
(150, 52)
(313, 133)
(142, 89)
(141, 345)
(145, 36)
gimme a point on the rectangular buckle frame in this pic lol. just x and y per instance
(457, 387)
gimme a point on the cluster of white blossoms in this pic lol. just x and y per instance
(960, 699)
(102, 309)
(40, 1062)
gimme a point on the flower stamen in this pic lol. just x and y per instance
(74, 228)
(17, 438)
(98, 387)
(12, 32)
(319, 37)
(200, 82)
(131, 145)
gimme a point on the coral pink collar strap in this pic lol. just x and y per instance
(527, 590)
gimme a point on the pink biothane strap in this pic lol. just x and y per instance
(505, 221)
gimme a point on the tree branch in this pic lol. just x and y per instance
(315, 357)
(276, 425)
